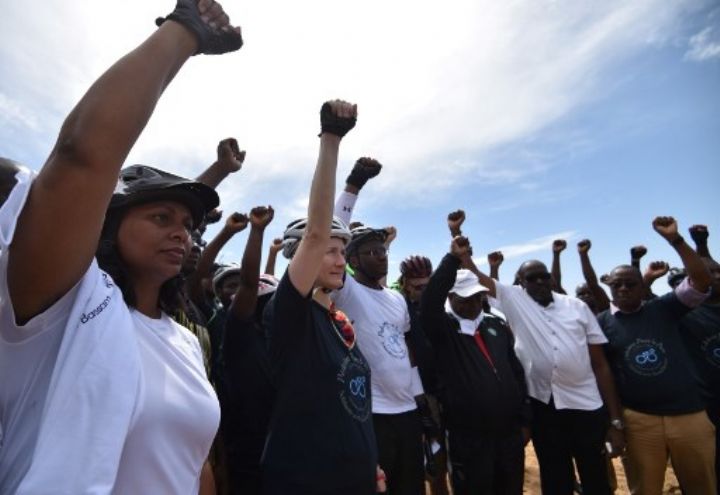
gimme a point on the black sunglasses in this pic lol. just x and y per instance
(537, 277)
(628, 284)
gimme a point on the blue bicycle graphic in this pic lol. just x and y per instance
(647, 357)
(357, 387)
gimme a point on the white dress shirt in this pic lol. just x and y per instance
(552, 345)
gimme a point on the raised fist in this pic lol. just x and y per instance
(365, 169)
(699, 233)
(637, 252)
(337, 117)
(391, 234)
(236, 223)
(584, 246)
(455, 220)
(666, 227)
(261, 216)
(229, 155)
(559, 245)
(213, 216)
(460, 247)
(657, 269)
(209, 23)
(276, 245)
(495, 258)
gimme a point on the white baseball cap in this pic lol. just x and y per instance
(466, 284)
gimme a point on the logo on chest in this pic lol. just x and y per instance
(646, 357)
(393, 340)
(354, 380)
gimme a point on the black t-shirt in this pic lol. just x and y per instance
(321, 438)
(249, 392)
(701, 332)
(652, 369)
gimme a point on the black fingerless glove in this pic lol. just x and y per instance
(329, 122)
(360, 175)
(210, 41)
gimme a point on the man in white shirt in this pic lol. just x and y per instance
(560, 345)
(381, 319)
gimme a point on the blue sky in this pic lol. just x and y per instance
(541, 119)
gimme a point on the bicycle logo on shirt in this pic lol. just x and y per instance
(357, 386)
(649, 356)
(393, 340)
(353, 378)
(646, 357)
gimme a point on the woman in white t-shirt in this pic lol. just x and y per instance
(101, 391)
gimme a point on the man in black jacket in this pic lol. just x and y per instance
(485, 397)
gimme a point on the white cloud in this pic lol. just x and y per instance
(439, 86)
(535, 245)
(705, 45)
(12, 112)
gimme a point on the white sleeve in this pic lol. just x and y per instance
(343, 294)
(416, 387)
(344, 206)
(14, 204)
(593, 331)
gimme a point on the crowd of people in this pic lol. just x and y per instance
(132, 362)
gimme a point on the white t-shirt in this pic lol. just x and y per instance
(178, 414)
(97, 398)
(27, 356)
(552, 345)
(380, 318)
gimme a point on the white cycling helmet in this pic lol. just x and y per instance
(296, 229)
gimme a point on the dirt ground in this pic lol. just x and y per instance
(532, 476)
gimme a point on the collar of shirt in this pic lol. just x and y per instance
(614, 309)
(467, 327)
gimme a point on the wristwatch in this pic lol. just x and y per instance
(617, 424)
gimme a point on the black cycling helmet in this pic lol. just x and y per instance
(363, 234)
(140, 184)
(416, 266)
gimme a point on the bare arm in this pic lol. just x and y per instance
(696, 270)
(305, 265)
(495, 259)
(234, 224)
(243, 304)
(636, 254)
(654, 271)
(59, 228)
(606, 386)
(558, 247)
(700, 234)
(229, 160)
(274, 249)
(601, 298)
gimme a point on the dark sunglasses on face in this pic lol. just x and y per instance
(537, 277)
(377, 252)
(417, 286)
(629, 284)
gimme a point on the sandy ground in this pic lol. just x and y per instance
(532, 476)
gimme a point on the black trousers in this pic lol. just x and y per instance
(559, 435)
(486, 465)
(400, 452)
